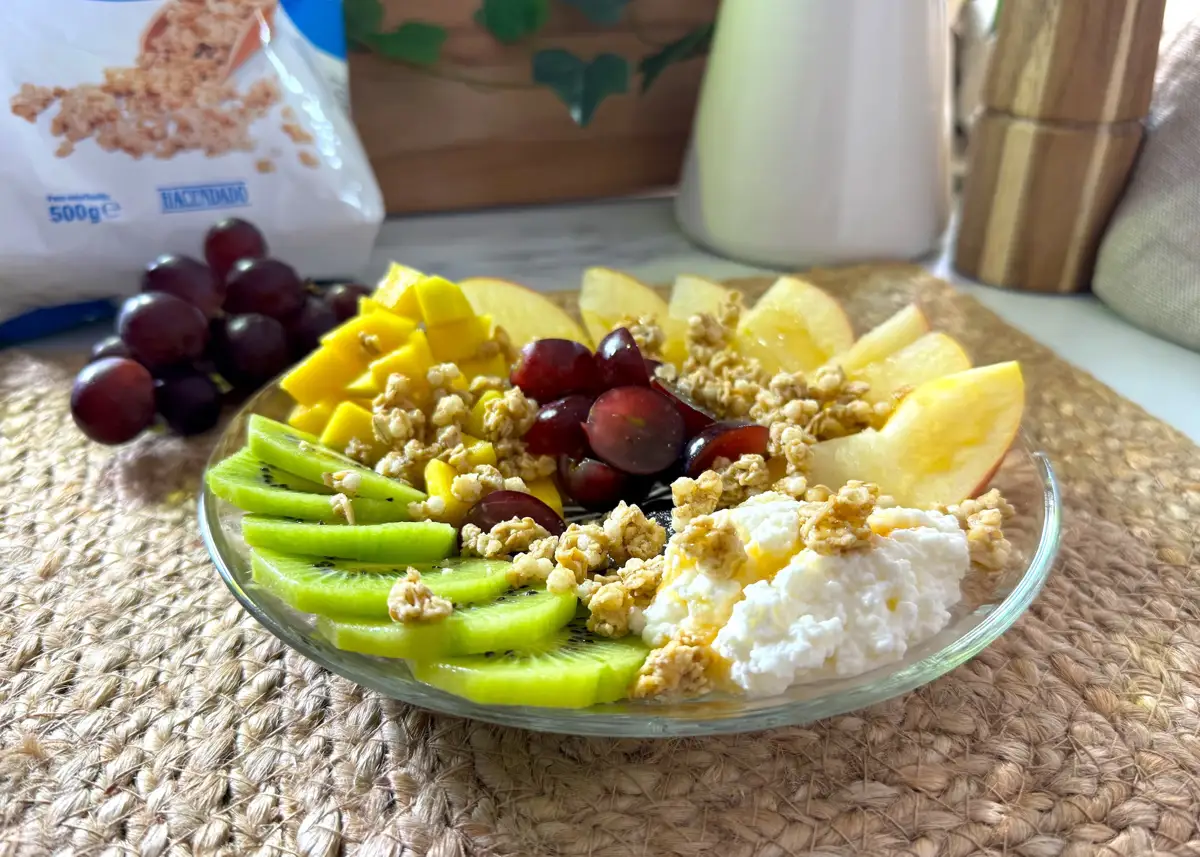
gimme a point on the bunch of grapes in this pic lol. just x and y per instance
(616, 428)
(199, 331)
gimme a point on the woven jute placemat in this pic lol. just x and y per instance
(143, 712)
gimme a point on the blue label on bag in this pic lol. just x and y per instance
(321, 22)
(203, 197)
(88, 208)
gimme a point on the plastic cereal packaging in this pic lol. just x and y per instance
(130, 126)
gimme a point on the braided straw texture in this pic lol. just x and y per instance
(142, 712)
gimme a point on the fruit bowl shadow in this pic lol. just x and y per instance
(991, 603)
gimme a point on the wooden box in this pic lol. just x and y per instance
(474, 131)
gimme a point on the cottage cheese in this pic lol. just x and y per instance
(692, 603)
(835, 616)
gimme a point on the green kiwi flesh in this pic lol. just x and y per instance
(505, 622)
(397, 542)
(571, 668)
(346, 588)
(260, 488)
(302, 453)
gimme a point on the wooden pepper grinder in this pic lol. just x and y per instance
(1067, 89)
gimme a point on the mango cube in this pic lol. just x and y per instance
(321, 375)
(475, 420)
(368, 337)
(439, 476)
(479, 452)
(395, 292)
(442, 302)
(457, 340)
(363, 387)
(310, 418)
(495, 366)
(545, 491)
(350, 421)
(413, 359)
(366, 306)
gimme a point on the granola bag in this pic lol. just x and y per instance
(133, 125)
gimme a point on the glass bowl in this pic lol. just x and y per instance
(990, 605)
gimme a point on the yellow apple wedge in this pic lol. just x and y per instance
(607, 296)
(942, 444)
(903, 328)
(794, 327)
(524, 314)
(932, 356)
(691, 295)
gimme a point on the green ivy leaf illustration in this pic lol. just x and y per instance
(604, 12)
(363, 20)
(512, 20)
(693, 44)
(582, 86)
(414, 42)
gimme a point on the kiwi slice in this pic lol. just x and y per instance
(571, 668)
(339, 587)
(396, 542)
(255, 486)
(506, 621)
(280, 445)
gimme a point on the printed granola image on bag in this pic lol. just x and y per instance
(155, 119)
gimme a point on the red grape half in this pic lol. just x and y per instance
(591, 483)
(620, 360)
(504, 505)
(558, 427)
(728, 439)
(549, 369)
(635, 429)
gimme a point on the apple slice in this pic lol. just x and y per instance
(691, 295)
(524, 314)
(903, 328)
(942, 444)
(932, 356)
(607, 296)
(794, 327)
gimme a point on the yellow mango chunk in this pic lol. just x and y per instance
(412, 359)
(495, 366)
(479, 451)
(363, 387)
(439, 476)
(475, 420)
(323, 374)
(442, 301)
(366, 306)
(350, 421)
(368, 337)
(395, 291)
(545, 491)
(457, 340)
(310, 418)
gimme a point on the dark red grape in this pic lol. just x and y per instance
(728, 439)
(592, 483)
(305, 328)
(620, 360)
(549, 369)
(558, 427)
(189, 403)
(161, 329)
(635, 429)
(503, 505)
(695, 418)
(265, 286)
(112, 400)
(252, 350)
(230, 241)
(187, 279)
(111, 346)
(343, 299)
(651, 366)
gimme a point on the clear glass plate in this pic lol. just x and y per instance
(990, 605)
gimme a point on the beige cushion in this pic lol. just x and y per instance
(1148, 268)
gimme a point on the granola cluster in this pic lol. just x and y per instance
(677, 669)
(417, 433)
(836, 522)
(410, 600)
(983, 520)
(177, 97)
(505, 539)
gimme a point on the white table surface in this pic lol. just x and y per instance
(548, 247)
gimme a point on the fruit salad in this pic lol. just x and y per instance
(676, 499)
